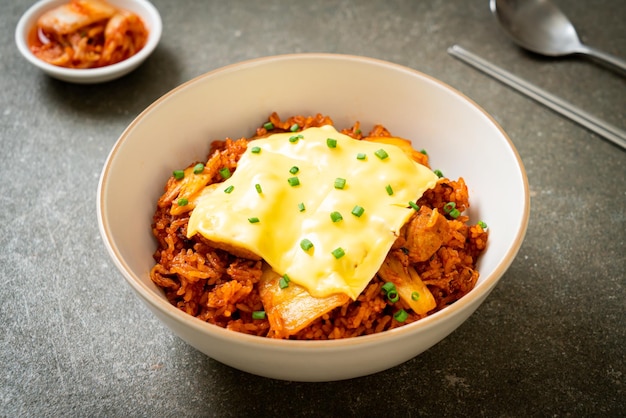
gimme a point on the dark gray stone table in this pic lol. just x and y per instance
(549, 341)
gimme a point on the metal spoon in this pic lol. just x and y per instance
(539, 26)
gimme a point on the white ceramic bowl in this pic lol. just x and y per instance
(148, 13)
(461, 139)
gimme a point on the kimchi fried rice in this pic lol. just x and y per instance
(222, 288)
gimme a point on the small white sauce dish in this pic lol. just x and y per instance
(143, 8)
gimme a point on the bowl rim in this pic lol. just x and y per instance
(162, 305)
(84, 74)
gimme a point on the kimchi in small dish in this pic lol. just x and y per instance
(107, 37)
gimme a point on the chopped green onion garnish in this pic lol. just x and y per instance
(338, 252)
(198, 168)
(389, 189)
(293, 181)
(340, 183)
(225, 173)
(438, 173)
(336, 216)
(253, 220)
(449, 206)
(381, 153)
(294, 139)
(360, 156)
(294, 170)
(358, 132)
(393, 296)
(283, 283)
(268, 125)
(392, 293)
(401, 315)
(306, 245)
(301, 207)
(414, 205)
(178, 174)
(255, 150)
(258, 188)
(454, 213)
(258, 315)
(294, 127)
(229, 189)
(331, 142)
(357, 211)
(182, 201)
(482, 224)
(423, 151)
(388, 287)
(415, 296)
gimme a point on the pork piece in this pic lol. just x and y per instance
(424, 234)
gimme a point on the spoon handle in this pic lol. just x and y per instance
(610, 132)
(603, 56)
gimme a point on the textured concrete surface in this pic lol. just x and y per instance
(549, 341)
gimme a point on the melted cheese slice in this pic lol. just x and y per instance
(282, 225)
